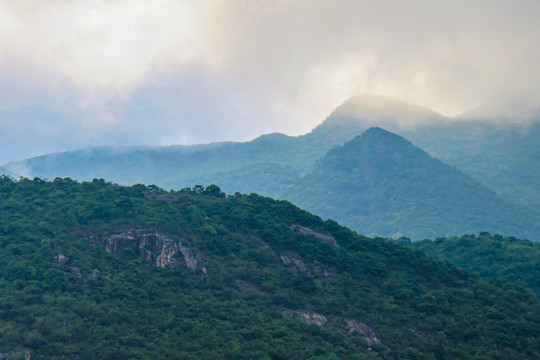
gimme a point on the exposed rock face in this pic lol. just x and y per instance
(296, 263)
(369, 334)
(93, 275)
(311, 317)
(59, 259)
(74, 271)
(152, 247)
(189, 259)
(307, 231)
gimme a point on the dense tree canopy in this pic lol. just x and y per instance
(494, 256)
(252, 273)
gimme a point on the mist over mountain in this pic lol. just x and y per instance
(269, 180)
(505, 155)
(380, 184)
(501, 158)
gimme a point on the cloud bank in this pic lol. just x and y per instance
(79, 73)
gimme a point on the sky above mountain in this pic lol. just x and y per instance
(80, 73)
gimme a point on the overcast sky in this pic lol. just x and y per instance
(75, 73)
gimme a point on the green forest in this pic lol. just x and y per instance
(494, 256)
(381, 184)
(95, 270)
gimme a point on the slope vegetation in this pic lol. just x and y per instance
(505, 155)
(493, 256)
(381, 184)
(95, 270)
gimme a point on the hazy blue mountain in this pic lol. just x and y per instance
(505, 159)
(179, 166)
(503, 155)
(99, 271)
(381, 184)
(172, 166)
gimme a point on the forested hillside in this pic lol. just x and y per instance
(502, 154)
(493, 256)
(95, 270)
(381, 184)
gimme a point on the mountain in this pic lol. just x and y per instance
(493, 256)
(94, 270)
(172, 166)
(381, 184)
(364, 111)
(507, 160)
(179, 166)
(505, 155)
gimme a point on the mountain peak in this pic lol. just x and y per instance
(376, 139)
(382, 184)
(376, 131)
(386, 111)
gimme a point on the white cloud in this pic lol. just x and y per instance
(217, 69)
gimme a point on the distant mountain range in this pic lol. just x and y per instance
(505, 160)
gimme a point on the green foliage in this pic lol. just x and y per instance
(505, 158)
(245, 307)
(380, 184)
(492, 256)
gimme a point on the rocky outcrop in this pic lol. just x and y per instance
(60, 259)
(153, 247)
(363, 329)
(307, 231)
(74, 271)
(189, 260)
(297, 265)
(94, 274)
(311, 317)
(294, 263)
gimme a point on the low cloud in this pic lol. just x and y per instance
(168, 71)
